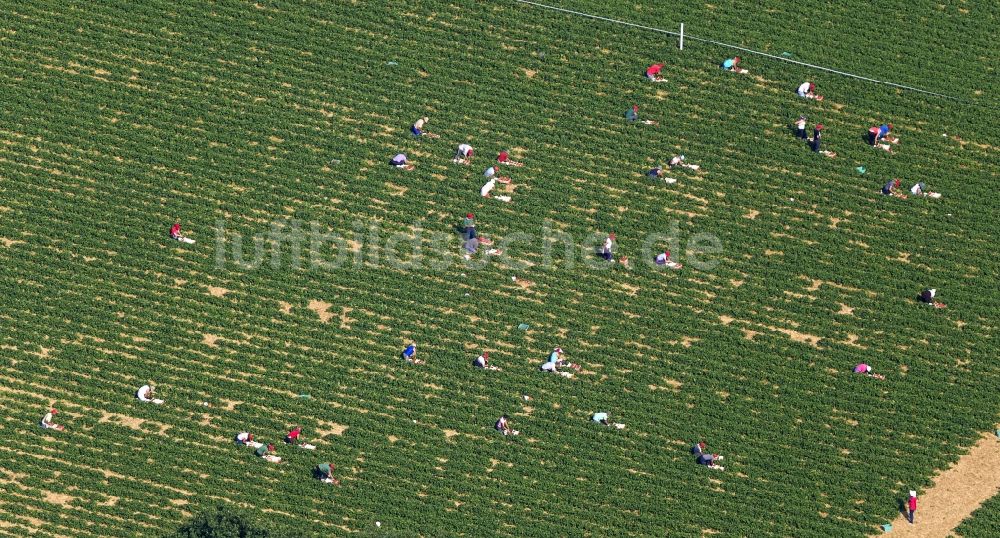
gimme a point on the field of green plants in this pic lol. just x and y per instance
(984, 522)
(244, 119)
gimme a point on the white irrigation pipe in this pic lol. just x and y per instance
(751, 51)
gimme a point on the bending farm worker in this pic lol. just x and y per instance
(653, 73)
(927, 297)
(554, 361)
(733, 64)
(418, 128)
(325, 469)
(632, 115)
(876, 134)
(491, 173)
(47, 420)
(703, 457)
(602, 418)
(484, 191)
(681, 160)
(504, 158)
(483, 361)
(492, 178)
(325, 473)
(709, 460)
(463, 155)
(471, 246)
(265, 452)
(920, 189)
(889, 189)
(175, 234)
(663, 258)
(410, 354)
(293, 436)
(659, 172)
(246, 439)
(145, 394)
(808, 91)
(400, 161)
(865, 369)
(503, 426)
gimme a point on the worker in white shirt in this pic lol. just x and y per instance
(463, 155)
(807, 90)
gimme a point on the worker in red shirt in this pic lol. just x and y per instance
(504, 158)
(175, 234)
(293, 436)
(653, 73)
(912, 505)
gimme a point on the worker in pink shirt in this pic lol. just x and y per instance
(653, 73)
(912, 505)
(865, 369)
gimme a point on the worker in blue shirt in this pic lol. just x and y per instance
(410, 354)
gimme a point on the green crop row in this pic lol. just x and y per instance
(982, 522)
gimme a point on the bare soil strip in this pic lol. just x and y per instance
(956, 493)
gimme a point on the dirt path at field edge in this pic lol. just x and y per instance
(956, 493)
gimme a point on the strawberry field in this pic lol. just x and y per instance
(983, 522)
(277, 120)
